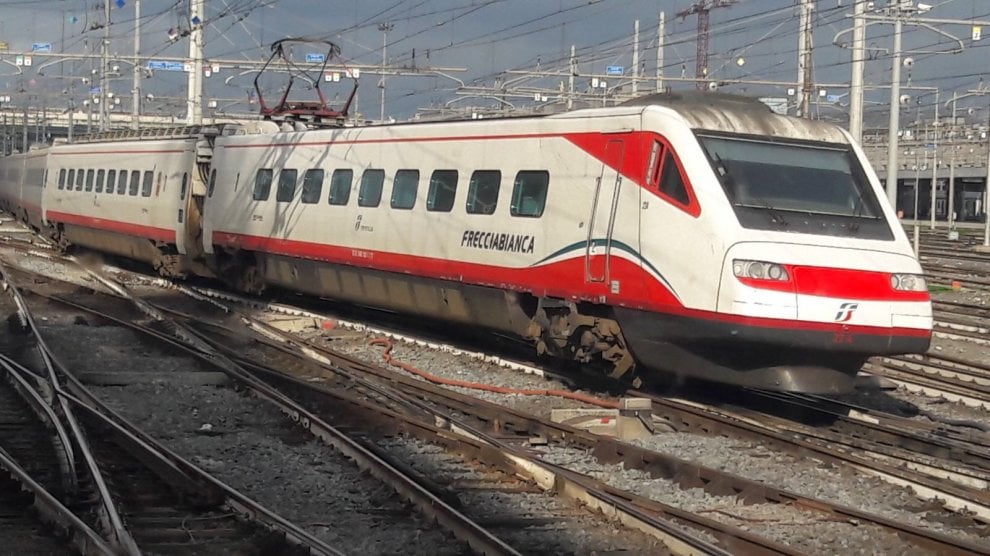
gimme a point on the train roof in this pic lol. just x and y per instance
(739, 114)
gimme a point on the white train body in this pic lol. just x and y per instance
(700, 235)
(127, 197)
(21, 181)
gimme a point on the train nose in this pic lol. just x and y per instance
(838, 286)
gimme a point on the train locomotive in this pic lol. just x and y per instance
(698, 235)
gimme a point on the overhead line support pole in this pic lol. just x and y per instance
(857, 66)
(136, 89)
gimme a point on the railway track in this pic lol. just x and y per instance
(118, 482)
(380, 407)
(521, 428)
(937, 377)
(503, 417)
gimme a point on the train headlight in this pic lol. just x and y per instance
(759, 270)
(908, 282)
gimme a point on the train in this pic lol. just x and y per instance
(685, 235)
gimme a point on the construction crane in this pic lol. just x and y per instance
(703, 9)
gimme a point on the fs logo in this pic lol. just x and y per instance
(846, 311)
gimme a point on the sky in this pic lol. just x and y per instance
(475, 42)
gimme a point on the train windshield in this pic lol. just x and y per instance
(796, 186)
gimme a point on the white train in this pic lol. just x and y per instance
(22, 177)
(699, 235)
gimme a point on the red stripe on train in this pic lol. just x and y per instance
(639, 289)
(840, 283)
(126, 228)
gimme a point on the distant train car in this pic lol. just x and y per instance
(699, 235)
(11, 175)
(129, 195)
(22, 177)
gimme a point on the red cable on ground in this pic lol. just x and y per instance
(387, 356)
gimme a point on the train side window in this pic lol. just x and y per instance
(90, 175)
(213, 183)
(404, 188)
(184, 188)
(286, 185)
(483, 191)
(262, 184)
(80, 177)
(529, 193)
(312, 186)
(340, 186)
(135, 185)
(122, 182)
(671, 181)
(148, 182)
(61, 178)
(443, 187)
(370, 194)
(111, 180)
(100, 175)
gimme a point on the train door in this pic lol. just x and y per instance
(601, 222)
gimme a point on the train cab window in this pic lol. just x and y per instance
(61, 178)
(122, 182)
(483, 191)
(340, 186)
(111, 180)
(213, 183)
(100, 176)
(135, 185)
(312, 186)
(90, 176)
(80, 177)
(529, 193)
(443, 187)
(671, 181)
(404, 188)
(286, 185)
(665, 176)
(263, 184)
(370, 194)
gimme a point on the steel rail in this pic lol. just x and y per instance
(108, 516)
(650, 517)
(918, 536)
(933, 385)
(430, 505)
(632, 456)
(607, 500)
(43, 410)
(179, 472)
(689, 474)
(84, 538)
(698, 417)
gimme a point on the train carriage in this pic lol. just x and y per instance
(129, 196)
(22, 177)
(701, 235)
(706, 235)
